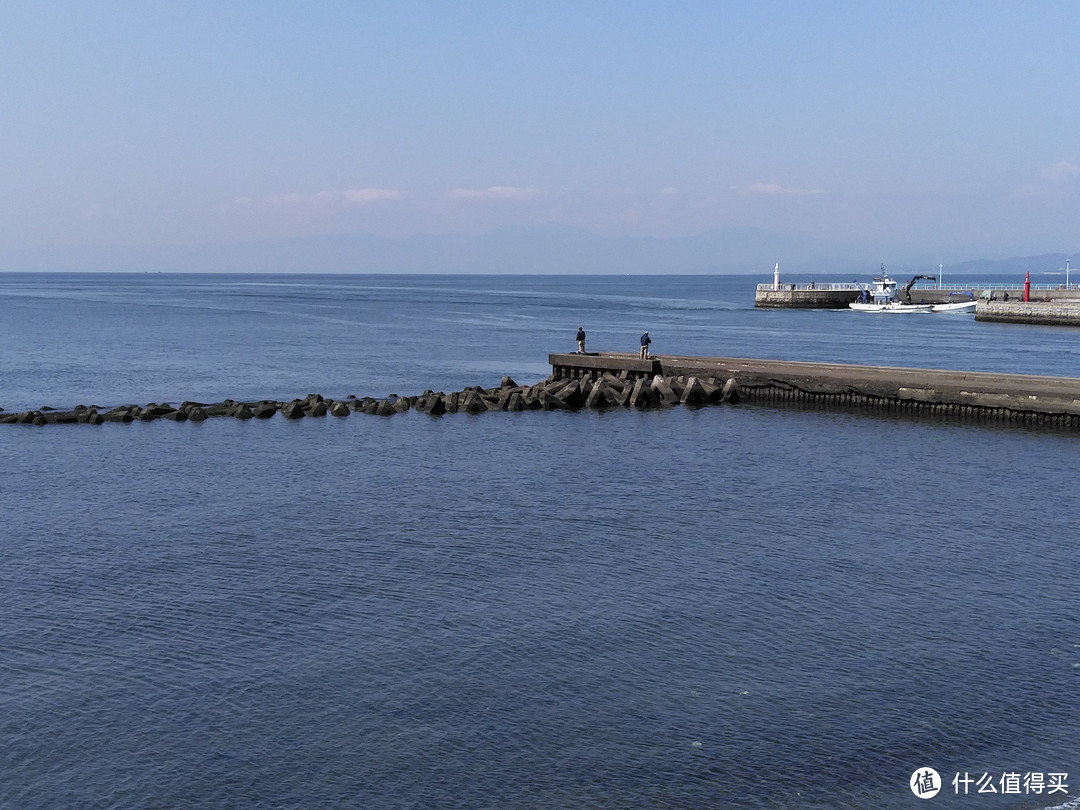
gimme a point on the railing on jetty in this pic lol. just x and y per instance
(919, 285)
(813, 285)
(814, 295)
(836, 295)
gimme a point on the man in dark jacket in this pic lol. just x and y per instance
(581, 340)
(645, 341)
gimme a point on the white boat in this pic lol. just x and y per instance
(891, 306)
(882, 297)
(957, 306)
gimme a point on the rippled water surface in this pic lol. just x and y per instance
(729, 606)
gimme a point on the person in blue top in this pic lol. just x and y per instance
(645, 341)
(581, 340)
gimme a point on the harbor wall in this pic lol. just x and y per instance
(792, 298)
(831, 296)
(1041, 312)
(838, 296)
(599, 381)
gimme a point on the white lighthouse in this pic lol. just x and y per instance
(776, 276)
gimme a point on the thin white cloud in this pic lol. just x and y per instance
(352, 196)
(1061, 171)
(297, 198)
(1030, 190)
(775, 189)
(97, 211)
(511, 193)
(363, 195)
(1054, 179)
(669, 191)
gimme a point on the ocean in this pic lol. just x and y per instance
(733, 606)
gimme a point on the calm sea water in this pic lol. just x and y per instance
(724, 607)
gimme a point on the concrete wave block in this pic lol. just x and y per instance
(644, 396)
(601, 397)
(714, 390)
(663, 390)
(693, 393)
(385, 407)
(472, 402)
(121, 414)
(294, 410)
(731, 391)
(571, 395)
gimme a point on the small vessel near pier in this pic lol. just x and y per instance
(1046, 304)
(891, 306)
(883, 296)
(956, 306)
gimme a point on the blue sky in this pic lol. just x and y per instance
(923, 129)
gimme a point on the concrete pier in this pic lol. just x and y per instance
(963, 395)
(612, 380)
(1042, 312)
(838, 296)
(805, 296)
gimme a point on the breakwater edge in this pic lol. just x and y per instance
(554, 393)
(605, 380)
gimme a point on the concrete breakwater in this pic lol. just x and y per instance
(554, 393)
(601, 381)
(1039, 312)
(1046, 305)
(838, 296)
(883, 390)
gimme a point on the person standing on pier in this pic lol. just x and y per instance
(581, 340)
(645, 341)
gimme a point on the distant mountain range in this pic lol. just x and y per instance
(527, 250)
(1043, 263)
